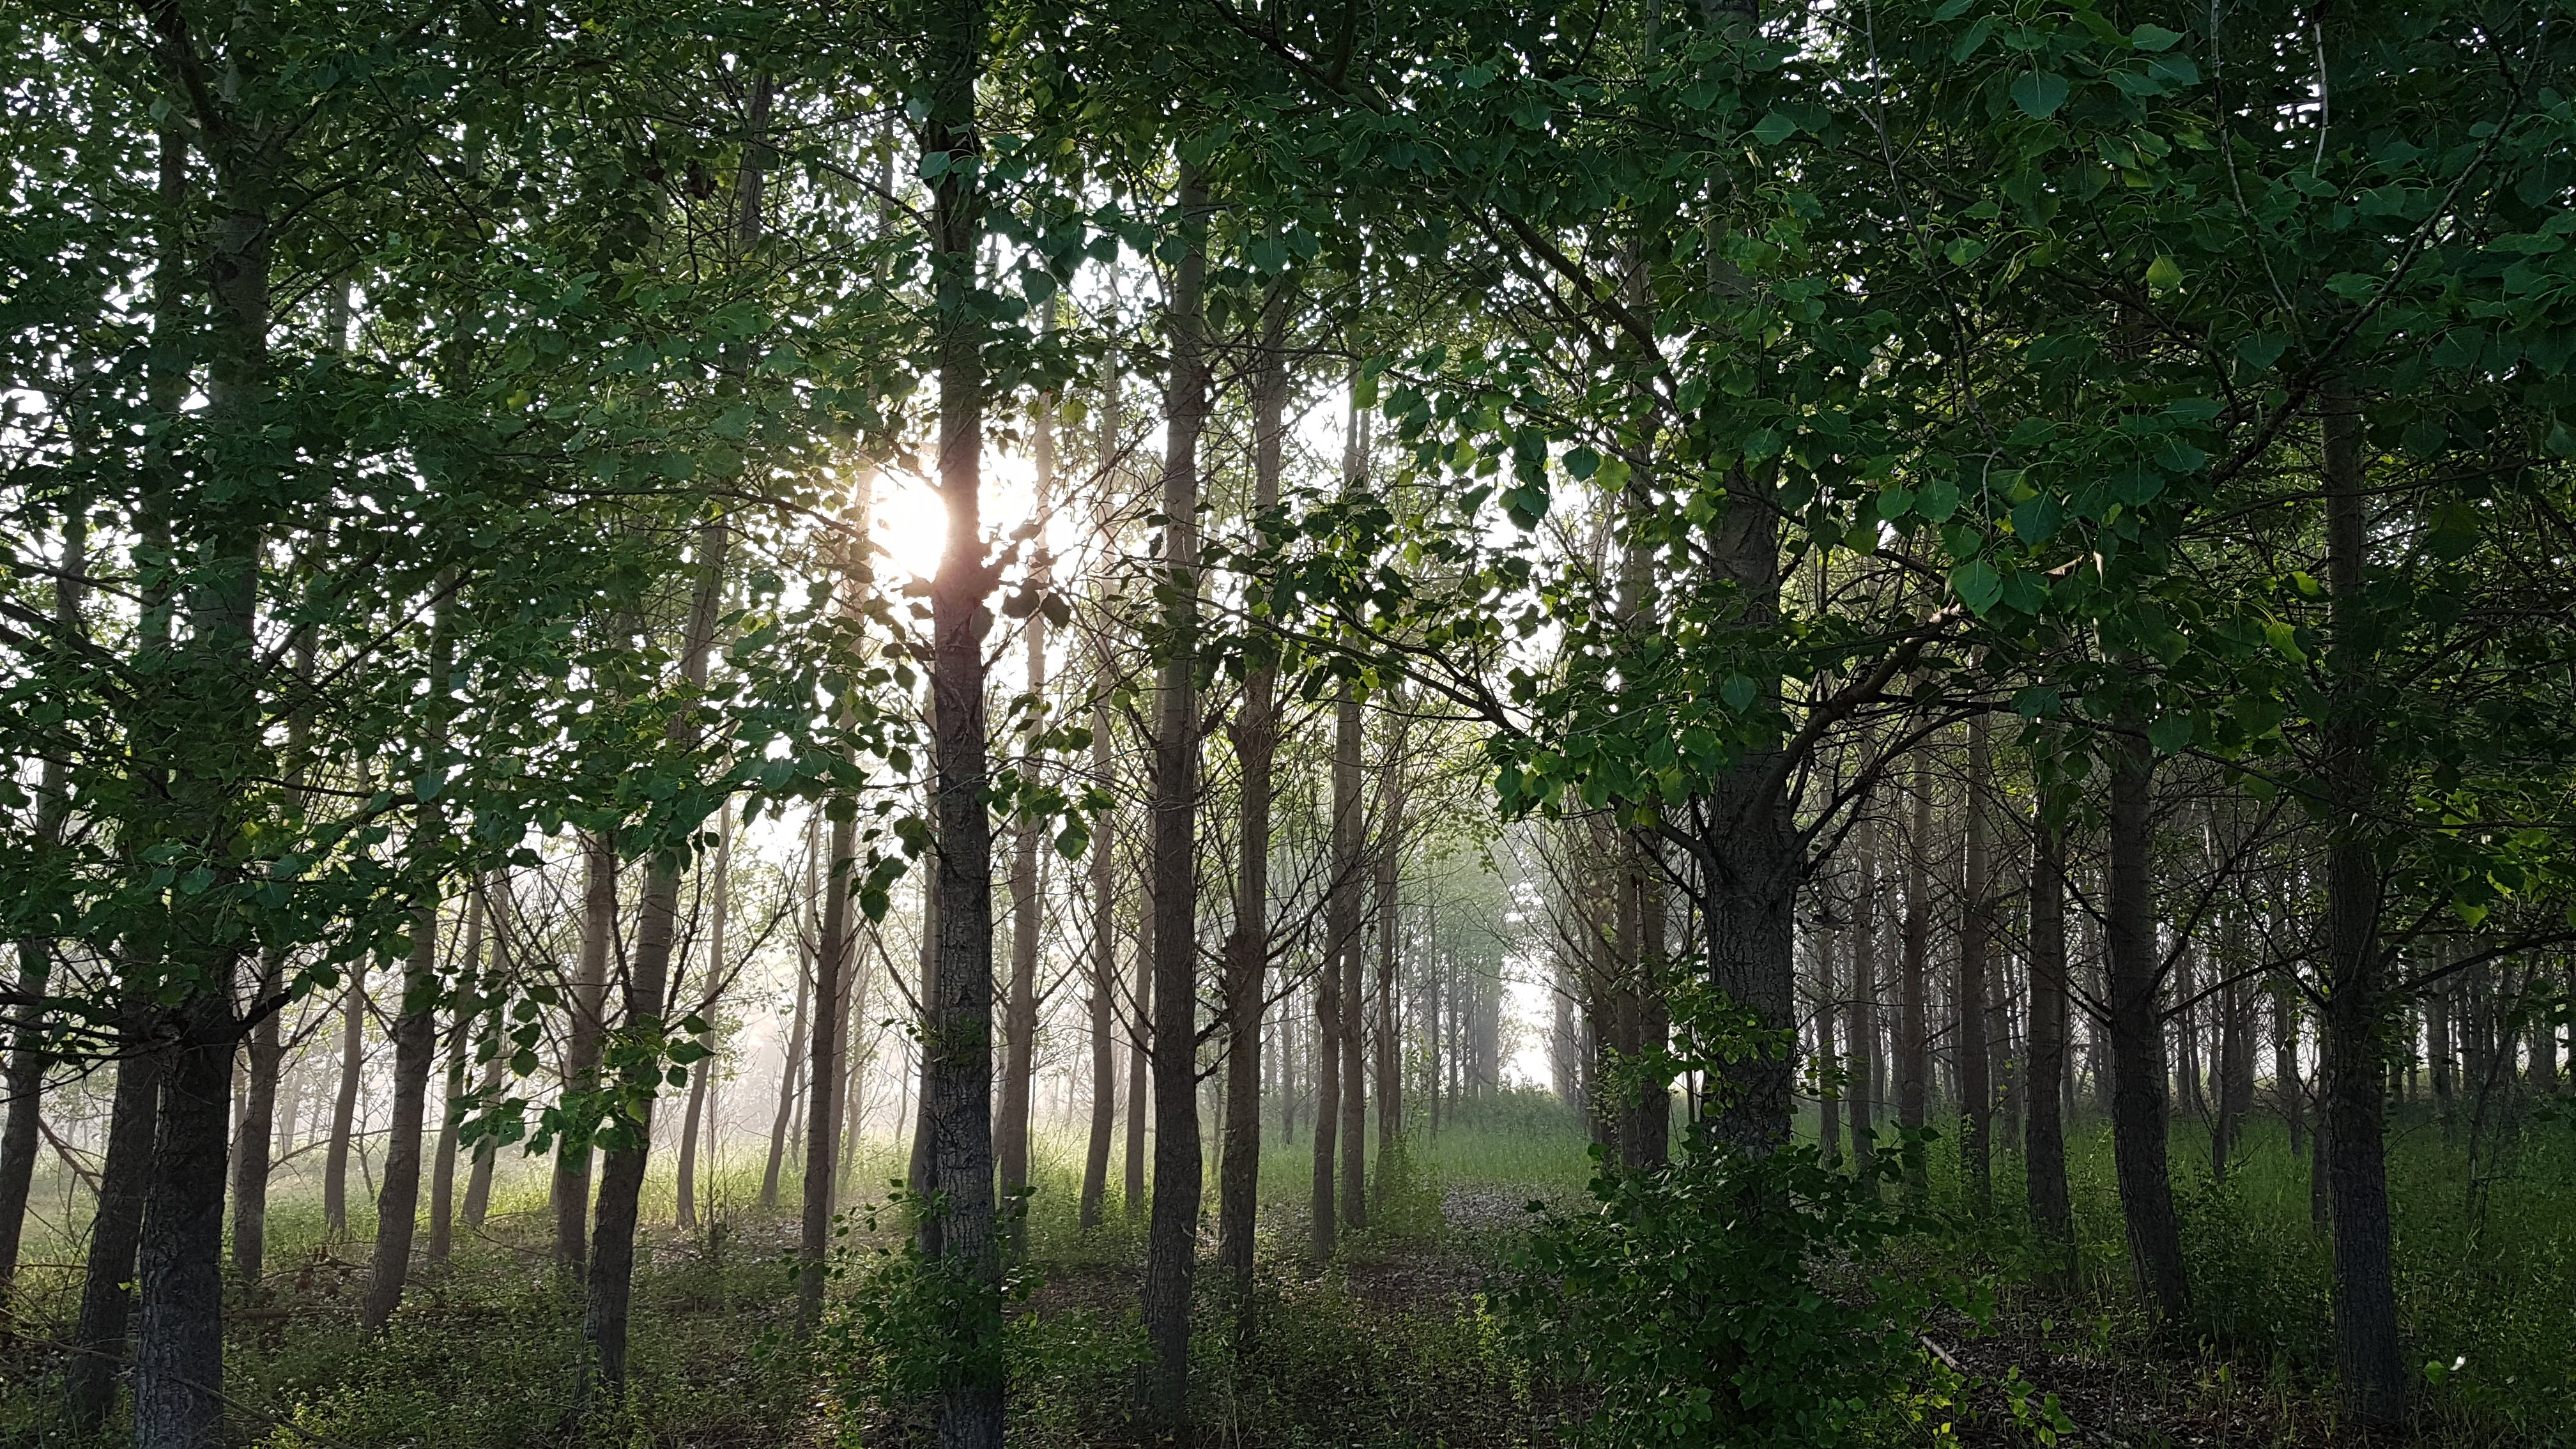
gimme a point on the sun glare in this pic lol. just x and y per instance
(911, 525)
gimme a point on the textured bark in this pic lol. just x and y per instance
(415, 1041)
(2044, 1149)
(823, 1079)
(698, 1119)
(468, 1003)
(1913, 1036)
(1104, 985)
(611, 1280)
(1863, 1071)
(478, 1181)
(1171, 1242)
(958, 1072)
(344, 1106)
(2139, 1109)
(179, 1342)
(2368, 1358)
(1020, 1011)
(254, 1148)
(1247, 969)
(1140, 1060)
(795, 1060)
(589, 1005)
(107, 1295)
(1389, 1046)
(1336, 1116)
(1976, 940)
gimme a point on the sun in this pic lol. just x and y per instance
(911, 525)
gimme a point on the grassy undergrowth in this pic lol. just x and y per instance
(1392, 1345)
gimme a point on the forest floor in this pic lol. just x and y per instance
(1391, 1345)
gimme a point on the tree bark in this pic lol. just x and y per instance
(1247, 974)
(1341, 926)
(107, 1295)
(2368, 1359)
(179, 1343)
(344, 1107)
(468, 1000)
(2044, 1150)
(611, 1280)
(795, 1059)
(1020, 1013)
(958, 1074)
(1976, 938)
(589, 1006)
(699, 1075)
(1140, 1059)
(1864, 1004)
(1913, 1039)
(1171, 1256)
(2139, 1109)
(1104, 983)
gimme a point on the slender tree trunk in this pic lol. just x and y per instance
(468, 999)
(611, 1280)
(1390, 1047)
(2139, 1112)
(958, 1073)
(415, 1031)
(699, 1117)
(254, 1149)
(344, 1107)
(589, 1006)
(1171, 1256)
(1247, 980)
(2368, 1360)
(107, 1294)
(179, 1344)
(795, 1060)
(478, 1182)
(1976, 937)
(1104, 983)
(2044, 1150)
(1864, 1006)
(823, 1079)
(1020, 1014)
(1341, 925)
(1829, 1059)
(1354, 1032)
(1140, 1059)
(1913, 1035)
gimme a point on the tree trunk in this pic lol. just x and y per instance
(1341, 925)
(957, 1079)
(415, 1037)
(468, 999)
(1140, 1058)
(1390, 857)
(1913, 1039)
(2044, 1150)
(1864, 1005)
(795, 1059)
(1172, 1237)
(2367, 1352)
(699, 1118)
(611, 1280)
(1020, 1013)
(254, 1149)
(107, 1295)
(589, 1005)
(179, 1344)
(1976, 1091)
(2139, 1111)
(344, 1107)
(1247, 978)
(1104, 983)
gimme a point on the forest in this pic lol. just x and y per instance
(1374, 723)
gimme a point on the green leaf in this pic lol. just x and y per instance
(2171, 733)
(1977, 584)
(2154, 37)
(1973, 39)
(1581, 462)
(1737, 692)
(2164, 274)
(2039, 94)
(1774, 128)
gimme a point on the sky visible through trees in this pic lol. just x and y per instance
(1660, 721)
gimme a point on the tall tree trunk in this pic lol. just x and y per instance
(2354, 1021)
(1020, 1012)
(415, 1031)
(808, 937)
(1390, 859)
(1341, 925)
(1104, 982)
(2044, 1150)
(1976, 938)
(469, 1004)
(1171, 1243)
(179, 1343)
(254, 1149)
(107, 1294)
(1913, 1031)
(2134, 965)
(21, 1138)
(1247, 974)
(478, 1181)
(823, 1078)
(958, 1073)
(344, 1106)
(699, 1076)
(1829, 1059)
(1140, 1058)
(611, 1280)
(588, 1013)
(1864, 1006)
